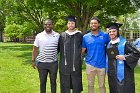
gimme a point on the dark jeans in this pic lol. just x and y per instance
(44, 69)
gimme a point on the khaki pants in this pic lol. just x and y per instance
(91, 73)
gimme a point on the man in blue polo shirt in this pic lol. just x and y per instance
(94, 44)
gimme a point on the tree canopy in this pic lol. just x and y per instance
(35, 12)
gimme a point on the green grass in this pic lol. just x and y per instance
(18, 76)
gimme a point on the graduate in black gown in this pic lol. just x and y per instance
(122, 58)
(70, 65)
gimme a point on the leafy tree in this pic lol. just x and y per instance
(2, 19)
(26, 30)
(85, 9)
(16, 31)
(13, 32)
(34, 11)
(30, 14)
(130, 21)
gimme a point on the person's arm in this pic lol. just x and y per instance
(83, 51)
(131, 55)
(59, 40)
(107, 39)
(34, 54)
(83, 48)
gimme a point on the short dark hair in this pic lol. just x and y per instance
(95, 18)
(49, 20)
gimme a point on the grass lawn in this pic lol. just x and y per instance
(17, 75)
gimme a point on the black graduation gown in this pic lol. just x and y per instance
(71, 69)
(128, 84)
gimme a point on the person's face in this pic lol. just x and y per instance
(71, 25)
(113, 34)
(48, 26)
(94, 25)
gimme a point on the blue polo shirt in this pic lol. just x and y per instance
(96, 46)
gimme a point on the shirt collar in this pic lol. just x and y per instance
(72, 33)
(115, 41)
(99, 33)
(49, 34)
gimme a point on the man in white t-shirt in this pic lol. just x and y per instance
(46, 59)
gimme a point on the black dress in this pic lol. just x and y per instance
(70, 65)
(127, 85)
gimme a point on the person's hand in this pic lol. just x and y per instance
(120, 57)
(34, 65)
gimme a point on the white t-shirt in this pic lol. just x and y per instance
(48, 44)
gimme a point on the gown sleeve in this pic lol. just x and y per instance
(59, 43)
(131, 55)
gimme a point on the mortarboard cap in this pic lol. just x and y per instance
(72, 18)
(114, 26)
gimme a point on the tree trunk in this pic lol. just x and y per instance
(1, 36)
(84, 16)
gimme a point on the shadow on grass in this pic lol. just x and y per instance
(17, 47)
(27, 57)
(25, 50)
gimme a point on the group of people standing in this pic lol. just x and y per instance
(104, 52)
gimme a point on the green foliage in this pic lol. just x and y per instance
(135, 25)
(104, 9)
(2, 22)
(2, 15)
(12, 30)
(130, 21)
(37, 11)
(60, 25)
(19, 31)
(26, 30)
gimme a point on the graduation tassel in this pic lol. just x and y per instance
(65, 52)
(65, 62)
(73, 68)
(74, 56)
